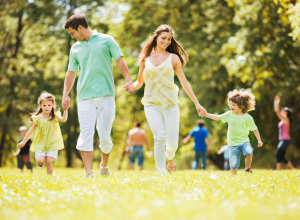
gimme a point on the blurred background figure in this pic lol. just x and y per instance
(225, 151)
(134, 145)
(202, 144)
(23, 153)
(286, 121)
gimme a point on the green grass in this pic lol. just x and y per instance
(146, 195)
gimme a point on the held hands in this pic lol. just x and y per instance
(21, 144)
(201, 111)
(129, 87)
(66, 102)
(260, 144)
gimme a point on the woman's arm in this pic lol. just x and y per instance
(27, 136)
(257, 135)
(140, 80)
(64, 118)
(277, 110)
(185, 84)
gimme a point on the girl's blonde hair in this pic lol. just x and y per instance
(175, 47)
(245, 100)
(45, 96)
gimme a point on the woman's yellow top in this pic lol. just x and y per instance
(159, 84)
(47, 135)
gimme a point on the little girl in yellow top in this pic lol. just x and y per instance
(48, 139)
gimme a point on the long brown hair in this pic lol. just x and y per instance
(45, 96)
(175, 47)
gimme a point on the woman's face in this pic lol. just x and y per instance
(283, 113)
(164, 40)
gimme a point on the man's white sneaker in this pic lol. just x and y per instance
(89, 175)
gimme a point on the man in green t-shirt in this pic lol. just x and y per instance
(93, 53)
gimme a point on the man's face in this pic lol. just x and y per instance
(76, 34)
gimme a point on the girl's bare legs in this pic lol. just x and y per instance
(278, 166)
(290, 165)
(233, 171)
(248, 161)
(40, 160)
(49, 165)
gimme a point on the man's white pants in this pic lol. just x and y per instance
(164, 124)
(102, 111)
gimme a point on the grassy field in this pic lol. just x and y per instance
(146, 195)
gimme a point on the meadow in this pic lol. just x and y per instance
(147, 195)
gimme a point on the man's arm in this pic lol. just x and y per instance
(186, 139)
(69, 82)
(125, 72)
(207, 144)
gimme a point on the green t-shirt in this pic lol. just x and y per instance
(238, 127)
(95, 60)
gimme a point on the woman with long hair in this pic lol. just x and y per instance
(286, 121)
(161, 56)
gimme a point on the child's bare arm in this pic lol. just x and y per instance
(64, 117)
(257, 135)
(212, 116)
(17, 153)
(27, 136)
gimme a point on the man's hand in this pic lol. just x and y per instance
(260, 144)
(127, 149)
(15, 154)
(129, 87)
(66, 102)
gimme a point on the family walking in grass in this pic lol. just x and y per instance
(160, 58)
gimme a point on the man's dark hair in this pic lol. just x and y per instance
(201, 123)
(138, 124)
(74, 21)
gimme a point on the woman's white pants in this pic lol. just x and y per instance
(164, 123)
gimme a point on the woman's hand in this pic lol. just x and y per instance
(201, 111)
(277, 100)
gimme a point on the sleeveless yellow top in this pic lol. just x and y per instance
(159, 84)
(47, 135)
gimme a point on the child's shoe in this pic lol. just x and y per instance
(248, 171)
(40, 167)
(104, 171)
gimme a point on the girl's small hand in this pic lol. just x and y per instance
(260, 144)
(21, 144)
(201, 111)
(276, 100)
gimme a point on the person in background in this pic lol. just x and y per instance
(136, 138)
(225, 151)
(22, 154)
(286, 121)
(202, 144)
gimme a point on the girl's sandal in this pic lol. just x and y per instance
(171, 169)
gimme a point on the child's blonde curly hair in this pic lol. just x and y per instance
(245, 100)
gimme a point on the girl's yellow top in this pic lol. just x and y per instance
(159, 84)
(47, 135)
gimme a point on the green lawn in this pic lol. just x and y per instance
(146, 195)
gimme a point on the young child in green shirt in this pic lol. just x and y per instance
(239, 125)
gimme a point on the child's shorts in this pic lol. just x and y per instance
(235, 154)
(53, 154)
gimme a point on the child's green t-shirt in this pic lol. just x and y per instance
(238, 127)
